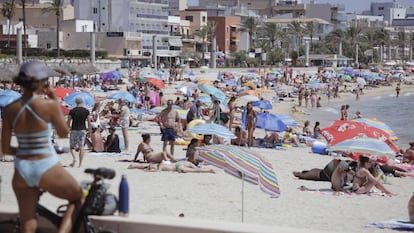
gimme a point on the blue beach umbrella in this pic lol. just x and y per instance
(8, 96)
(270, 122)
(205, 99)
(88, 99)
(262, 104)
(123, 95)
(288, 120)
(212, 129)
(215, 92)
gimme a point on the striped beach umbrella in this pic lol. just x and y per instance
(380, 125)
(364, 145)
(242, 162)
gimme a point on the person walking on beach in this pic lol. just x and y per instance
(169, 120)
(397, 90)
(76, 119)
(37, 165)
(251, 116)
(124, 121)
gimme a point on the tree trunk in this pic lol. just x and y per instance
(24, 28)
(57, 32)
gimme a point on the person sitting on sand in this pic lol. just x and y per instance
(148, 152)
(191, 151)
(206, 140)
(180, 166)
(364, 181)
(112, 141)
(241, 137)
(290, 137)
(408, 156)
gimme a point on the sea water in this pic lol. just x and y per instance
(397, 113)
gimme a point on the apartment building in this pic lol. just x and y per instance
(227, 33)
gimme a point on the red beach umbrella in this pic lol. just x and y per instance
(63, 92)
(156, 82)
(341, 130)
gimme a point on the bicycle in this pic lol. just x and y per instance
(96, 203)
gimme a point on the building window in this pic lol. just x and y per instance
(103, 8)
(95, 10)
(189, 18)
(48, 46)
(381, 8)
(204, 19)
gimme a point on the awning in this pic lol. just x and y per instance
(176, 42)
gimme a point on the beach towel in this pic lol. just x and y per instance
(394, 224)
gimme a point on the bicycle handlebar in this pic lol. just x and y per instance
(103, 172)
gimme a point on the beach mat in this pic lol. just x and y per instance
(400, 225)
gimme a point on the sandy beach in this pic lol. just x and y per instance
(218, 197)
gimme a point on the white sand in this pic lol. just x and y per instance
(218, 196)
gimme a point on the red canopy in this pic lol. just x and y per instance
(156, 82)
(63, 92)
(341, 130)
(65, 109)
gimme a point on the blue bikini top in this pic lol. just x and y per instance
(37, 142)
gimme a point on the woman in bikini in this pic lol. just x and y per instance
(149, 154)
(364, 181)
(37, 165)
(250, 123)
(232, 110)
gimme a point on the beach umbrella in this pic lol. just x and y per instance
(250, 84)
(8, 96)
(248, 98)
(341, 130)
(124, 96)
(215, 92)
(254, 167)
(204, 99)
(212, 129)
(88, 99)
(248, 92)
(270, 122)
(364, 145)
(262, 104)
(156, 82)
(63, 92)
(243, 163)
(380, 125)
(160, 108)
(186, 90)
(288, 120)
(65, 110)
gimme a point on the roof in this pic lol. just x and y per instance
(300, 20)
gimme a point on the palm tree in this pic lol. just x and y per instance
(211, 33)
(296, 28)
(369, 40)
(354, 35)
(310, 30)
(272, 32)
(383, 39)
(8, 11)
(56, 6)
(333, 39)
(202, 33)
(250, 25)
(401, 42)
(23, 2)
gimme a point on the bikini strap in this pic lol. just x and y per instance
(27, 106)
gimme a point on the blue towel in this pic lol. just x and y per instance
(401, 225)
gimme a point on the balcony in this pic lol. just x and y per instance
(183, 36)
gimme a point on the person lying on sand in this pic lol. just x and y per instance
(180, 166)
(324, 174)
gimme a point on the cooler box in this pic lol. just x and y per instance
(319, 148)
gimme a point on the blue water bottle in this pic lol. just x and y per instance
(123, 207)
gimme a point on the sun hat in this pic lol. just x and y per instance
(34, 70)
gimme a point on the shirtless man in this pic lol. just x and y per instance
(169, 120)
(408, 156)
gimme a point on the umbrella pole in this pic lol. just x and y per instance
(242, 199)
